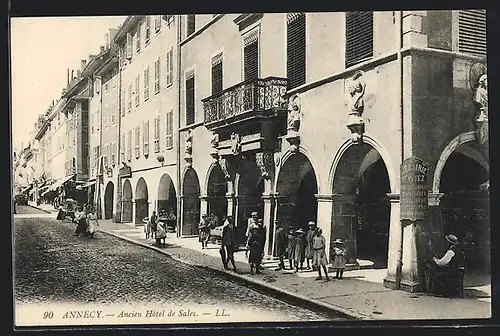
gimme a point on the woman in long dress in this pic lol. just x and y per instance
(92, 223)
(309, 249)
(290, 249)
(161, 234)
(255, 247)
(340, 260)
(319, 253)
(300, 246)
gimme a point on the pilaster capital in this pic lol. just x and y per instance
(434, 198)
(324, 197)
(394, 198)
(344, 197)
(203, 197)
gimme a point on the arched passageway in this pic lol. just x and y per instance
(108, 200)
(141, 201)
(190, 203)
(250, 189)
(216, 192)
(465, 203)
(361, 208)
(127, 202)
(297, 188)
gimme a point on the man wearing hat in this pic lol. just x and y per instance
(252, 222)
(281, 242)
(228, 243)
(309, 249)
(446, 268)
(300, 246)
(204, 233)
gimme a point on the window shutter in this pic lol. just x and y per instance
(113, 153)
(129, 147)
(137, 90)
(122, 102)
(130, 97)
(217, 75)
(129, 46)
(148, 30)
(359, 37)
(190, 24)
(157, 23)
(296, 49)
(122, 146)
(190, 108)
(169, 129)
(171, 65)
(138, 38)
(146, 84)
(137, 142)
(472, 31)
(157, 76)
(251, 56)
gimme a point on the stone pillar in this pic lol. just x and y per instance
(179, 215)
(268, 219)
(230, 199)
(134, 210)
(118, 212)
(395, 240)
(325, 208)
(409, 272)
(436, 225)
(345, 220)
(203, 205)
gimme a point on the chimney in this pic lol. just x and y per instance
(67, 76)
(78, 73)
(72, 74)
(102, 48)
(83, 63)
(107, 40)
(52, 103)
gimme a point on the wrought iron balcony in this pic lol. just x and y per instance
(258, 96)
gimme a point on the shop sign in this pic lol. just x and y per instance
(125, 171)
(414, 190)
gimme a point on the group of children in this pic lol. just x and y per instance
(311, 247)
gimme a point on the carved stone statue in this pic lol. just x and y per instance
(356, 89)
(294, 113)
(189, 148)
(224, 165)
(479, 84)
(235, 143)
(214, 152)
(265, 161)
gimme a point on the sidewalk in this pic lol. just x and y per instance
(359, 295)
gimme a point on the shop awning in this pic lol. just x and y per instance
(46, 192)
(26, 189)
(60, 182)
(88, 184)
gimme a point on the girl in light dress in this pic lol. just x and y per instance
(340, 260)
(319, 258)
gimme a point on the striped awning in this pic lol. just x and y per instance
(60, 182)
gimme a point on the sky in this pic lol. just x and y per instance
(42, 49)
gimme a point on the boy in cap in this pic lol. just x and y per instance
(309, 249)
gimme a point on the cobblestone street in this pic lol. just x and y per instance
(53, 266)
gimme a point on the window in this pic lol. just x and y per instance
(146, 84)
(129, 146)
(157, 134)
(138, 38)
(170, 66)
(137, 90)
(145, 138)
(472, 31)
(129, 101)
(105, 115)
(157, 76)
(122, 146)
(296, 49)
(251, 55)
(123, 107)
(190, 24)
(112, 114)
(169, 129)
(157, 23)
(169, 19)
(217, 74)
(359, 37)
(190, 109)
(129, 46)
(137, 142)
(148, 30)
(105, 156)
(98, 119)
(113, 153)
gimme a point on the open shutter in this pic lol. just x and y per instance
(129, 46)
(217, 75)
(251, 55)
(190, 24)
(190, 108)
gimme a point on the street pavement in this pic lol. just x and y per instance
(360, 294)
(52, 266)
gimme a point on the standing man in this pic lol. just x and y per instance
(154, 226)
(251, 223)
(281, 243)
(228, 243)
(262, 236)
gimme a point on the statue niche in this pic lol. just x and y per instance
(356, 124)
(479, 84)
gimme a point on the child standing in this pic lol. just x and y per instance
(339, 262)
(300, 247)
(290, 249)
(319, 253)
(255, 247)
(309, 249)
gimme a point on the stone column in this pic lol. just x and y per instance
(395, 243)
(409, 271)
(230, 199)
(134, 210)
(268, 219)
(324, 221)
(436, 224)
(203, 205)
(179, 215)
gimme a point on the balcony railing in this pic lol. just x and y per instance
(257, 95)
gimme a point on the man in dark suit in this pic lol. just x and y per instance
(229, 244)
(281, 243)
